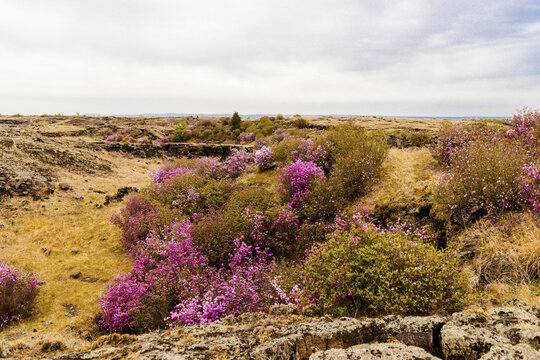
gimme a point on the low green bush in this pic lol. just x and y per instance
(179, 132)
(366, 271)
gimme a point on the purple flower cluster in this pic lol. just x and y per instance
(237, 162)
(297, 180)
(249, 137)
(114, 138)
(18, 292)
(172, 283)
(244, 286)
(526, 125)
(136, 219)
(530, 185)
(264, 158)
(126, 131)
(454, 137)
(163, 174)
(307, 151)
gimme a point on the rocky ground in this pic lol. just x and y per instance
(37, 154)
(498, 333)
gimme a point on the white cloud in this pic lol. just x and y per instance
(319, 56)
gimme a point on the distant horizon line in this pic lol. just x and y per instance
(257, 115)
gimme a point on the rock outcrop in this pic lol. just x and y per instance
(499, 333)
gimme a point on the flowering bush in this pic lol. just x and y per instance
(454, 137)
(526, 126)
(264, 158)
(297, 180)
(483, 179)
(364, 271)
(167, 267)
(211, 167)
(308, 151)
(244, 286)
(214, 234)
(127, 131)
(18, 292)
(163, 174)
(237, 162)
(529, 187)
(276, 230)
(172, 282)
(136, 219)
(250, 137)
(189, 191)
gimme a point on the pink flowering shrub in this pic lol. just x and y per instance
(454, 137)
(529, 187)
(186, 191)
(215, 232)
(526, 127)
(126, 131)
(249, 137)
(276, 230)
(136, 220)
(307, 150)
(167, 267)
(297, 180)
(173, 283)
(162, 174)
(488, 170)
(363, 271)
(211, 167)
(237, 162)
(264, 158)
(18, 292)
(244, 286)
(483, 179)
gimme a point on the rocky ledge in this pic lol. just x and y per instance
(498, 333)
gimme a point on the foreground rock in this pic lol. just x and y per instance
(499, 333)
(471, 335)
(375, 351)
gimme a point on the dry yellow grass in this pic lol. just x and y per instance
(407, 174)
(74, 238)
(506, 249)
(61, 236)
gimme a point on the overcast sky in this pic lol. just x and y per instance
(417, 58)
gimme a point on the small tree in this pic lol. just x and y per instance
(236, 121)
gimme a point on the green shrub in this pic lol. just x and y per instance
(323, 202)
(265, 126)
(301, 123)
(368, 272)
(179, 132)
(358, 156)
(282, 151)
